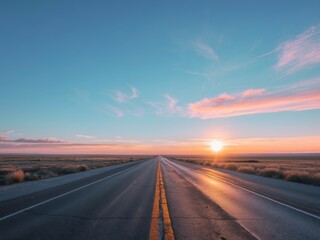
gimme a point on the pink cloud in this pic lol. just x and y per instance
(295, 98)
(4, 139)
(223, 98)
(253, 92)
(300, 52)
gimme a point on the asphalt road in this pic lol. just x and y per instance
(266, 208)
(118, 203)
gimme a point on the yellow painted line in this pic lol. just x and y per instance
(168, 231)
(161, 227)
(154, 229)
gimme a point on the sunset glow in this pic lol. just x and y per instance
(160, 78)
(216, 145)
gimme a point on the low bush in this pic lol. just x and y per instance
(247, 169)
(233, 167)
(302, 177)
(83, 167)
(207, 163)
(68, 169)
(271, 172)
(16, 176)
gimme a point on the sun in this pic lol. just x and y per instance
(216, 145)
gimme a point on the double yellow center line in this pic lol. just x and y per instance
(161, 227)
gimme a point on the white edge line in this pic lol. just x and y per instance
(263, 196)
(61, 195)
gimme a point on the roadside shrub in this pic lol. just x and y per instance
(233, 167)
(220, 165)
(29, 176)
(83, 167)
(271, 172)
(16, 176)
(302, 177)
(247, 169)
(68, 169)
(41, 174)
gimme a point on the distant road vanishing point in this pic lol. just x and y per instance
(160, 198)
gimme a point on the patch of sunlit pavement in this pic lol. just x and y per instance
(161, 227)
(195, 216)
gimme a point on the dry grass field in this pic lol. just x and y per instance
(294, 168)
(20, 168)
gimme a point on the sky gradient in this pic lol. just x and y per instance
(162, 77)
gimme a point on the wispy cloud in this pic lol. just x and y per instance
(31, 140)
(7, 132)
(303, 51)
(127, 103)
(134, 93)
(205, 50)
(172, 103)
(116, 111)
(297, 97)
(199, 74)
(168, 106)
(84, 136)
(122, 97)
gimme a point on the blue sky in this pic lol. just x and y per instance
(138, 76)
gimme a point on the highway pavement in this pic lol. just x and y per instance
(135, 201)
(117, 205)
